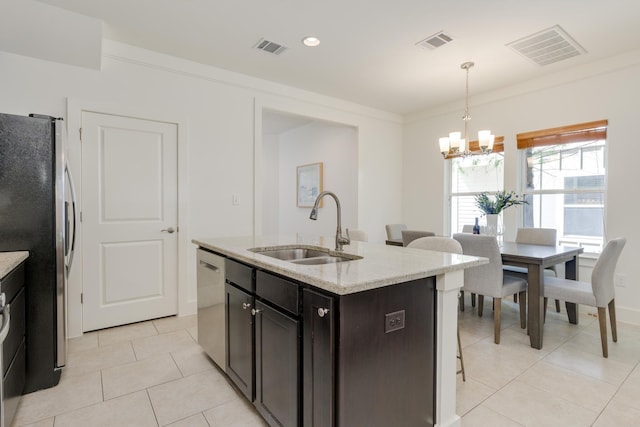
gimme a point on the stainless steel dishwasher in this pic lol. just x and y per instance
(211, 315)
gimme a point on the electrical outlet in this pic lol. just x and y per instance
(393, 321)
(620, 280)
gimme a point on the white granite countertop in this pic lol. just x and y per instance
(10, 260)
(381, 265)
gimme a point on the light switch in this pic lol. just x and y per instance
(235, 200)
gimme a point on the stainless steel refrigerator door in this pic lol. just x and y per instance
(211, 314)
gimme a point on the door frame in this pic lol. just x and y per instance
(187, 299)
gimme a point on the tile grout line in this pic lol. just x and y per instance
(616, 393)
(152, 408)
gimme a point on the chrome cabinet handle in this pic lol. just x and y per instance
(169, 230)
(322, 311)
(254, 311)
(245, 305)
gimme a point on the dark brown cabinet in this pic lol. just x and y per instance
(277, 366)
(263, 342)
(240, 338)
(307, 357)
(13, 348)
(319, 359)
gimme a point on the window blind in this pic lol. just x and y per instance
(591, 131)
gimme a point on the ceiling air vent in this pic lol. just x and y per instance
(270, 47)
(435, 41)
(548, 46)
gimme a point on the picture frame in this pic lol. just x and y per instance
(308, 184)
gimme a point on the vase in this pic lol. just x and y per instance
(493, 227)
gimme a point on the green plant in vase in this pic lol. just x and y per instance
(493, 205)
(498, 202)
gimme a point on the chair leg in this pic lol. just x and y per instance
(515, 297)
(546, 302)
(461, 300)
(612, 318)
(602, 319)
(557, 306)
(473, 300)
(523, 309)
(480, 305)
(461, 371)
(496, 319)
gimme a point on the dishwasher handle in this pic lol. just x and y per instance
(209, 266)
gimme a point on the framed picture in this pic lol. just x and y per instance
(308, 184)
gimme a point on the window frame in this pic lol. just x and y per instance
(584, 132)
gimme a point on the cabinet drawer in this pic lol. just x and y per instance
(14, 381)
(278, 291)
(240, 275)
(12, 282)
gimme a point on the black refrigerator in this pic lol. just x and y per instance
(37, 215)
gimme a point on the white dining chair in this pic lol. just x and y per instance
(442, 244)
(599, 293)
(489, 279)
(394, 231)
(534, 236)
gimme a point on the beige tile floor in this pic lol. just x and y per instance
(155, 374)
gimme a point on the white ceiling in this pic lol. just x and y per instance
(367, 53)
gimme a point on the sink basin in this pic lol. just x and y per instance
(291, 254)
(306, 255)
(327, 259)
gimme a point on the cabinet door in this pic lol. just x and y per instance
(277, 367)
(319, 359)
(240, 336)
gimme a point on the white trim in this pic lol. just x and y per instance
(448, 286)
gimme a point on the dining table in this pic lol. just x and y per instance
(535, 258)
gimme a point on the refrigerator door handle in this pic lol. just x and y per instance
(72, 189)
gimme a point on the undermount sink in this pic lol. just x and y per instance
(305, 255)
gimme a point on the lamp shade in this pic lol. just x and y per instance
(444, 145)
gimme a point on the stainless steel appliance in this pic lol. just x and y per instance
(37, 215)
(211, 315)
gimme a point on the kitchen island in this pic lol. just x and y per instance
(366, 342)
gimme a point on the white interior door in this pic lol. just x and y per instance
(129, 219)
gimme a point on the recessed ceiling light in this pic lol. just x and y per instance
(311, 41)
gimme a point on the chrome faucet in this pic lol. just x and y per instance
(340, 239)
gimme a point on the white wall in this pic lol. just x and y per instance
(607, 90)
(270, 184)
(219, 132)
(336, 147)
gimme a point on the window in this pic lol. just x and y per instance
(564, 182)
(470, 176)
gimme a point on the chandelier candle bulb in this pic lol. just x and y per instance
(444, 145)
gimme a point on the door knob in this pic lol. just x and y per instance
(169, 230)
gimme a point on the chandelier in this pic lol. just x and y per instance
(454, 145)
